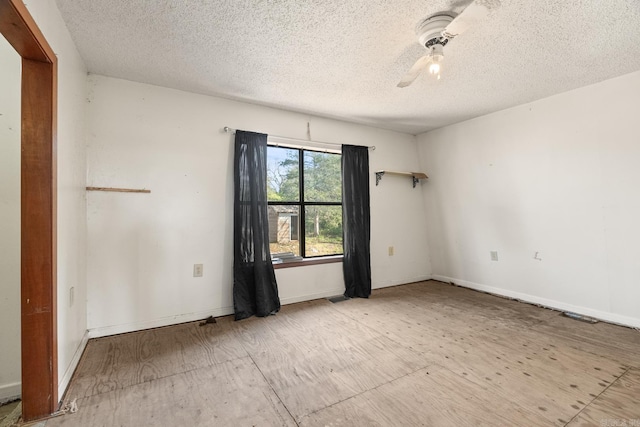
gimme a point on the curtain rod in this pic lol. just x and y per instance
(227, 129)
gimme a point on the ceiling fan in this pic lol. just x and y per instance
(437, 30)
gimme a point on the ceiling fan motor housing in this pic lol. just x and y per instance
(429, 31)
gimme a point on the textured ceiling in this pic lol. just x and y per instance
(343, 59)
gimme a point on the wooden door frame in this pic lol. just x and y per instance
(38, 291)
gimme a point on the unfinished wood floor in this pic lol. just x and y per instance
(421, 354)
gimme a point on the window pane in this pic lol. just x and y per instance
(322, 180)
(284, 226)
(323, 230)
(282, 174)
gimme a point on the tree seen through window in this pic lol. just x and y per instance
(304, 190)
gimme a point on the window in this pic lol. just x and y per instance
(304, 191)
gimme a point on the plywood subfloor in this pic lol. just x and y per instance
(10, 413)
(420, 354)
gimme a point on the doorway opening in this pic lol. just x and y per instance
(37, 210)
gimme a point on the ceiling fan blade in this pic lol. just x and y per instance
(414, 72)
(475, 12)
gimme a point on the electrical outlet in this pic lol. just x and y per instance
(494, 255)
(391, 250)
(71, 296)
(197, 270)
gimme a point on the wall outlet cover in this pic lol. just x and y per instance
(197, 270)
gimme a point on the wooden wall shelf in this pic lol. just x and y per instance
(415, 176)
(119, 190)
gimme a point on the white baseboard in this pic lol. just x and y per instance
(10, 392)
(66, 378)
(157, 323)
(340, 290)
(302, 298)
(557, 305)
(192, 317)
(389, 283)
(224, 311)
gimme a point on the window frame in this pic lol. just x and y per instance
(302, 204)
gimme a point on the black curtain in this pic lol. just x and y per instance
(356, 228)
(255, 291)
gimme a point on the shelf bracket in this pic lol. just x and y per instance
(415, 181)
(379, 177)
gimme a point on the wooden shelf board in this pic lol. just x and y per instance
(119, 190)
(418, 175)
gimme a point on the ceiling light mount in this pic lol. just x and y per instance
(430, 30)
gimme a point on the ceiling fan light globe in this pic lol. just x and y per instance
(435, 63)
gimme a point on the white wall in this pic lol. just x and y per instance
(558, 176)
(142, 247)
(9, 222)
(72, 92)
